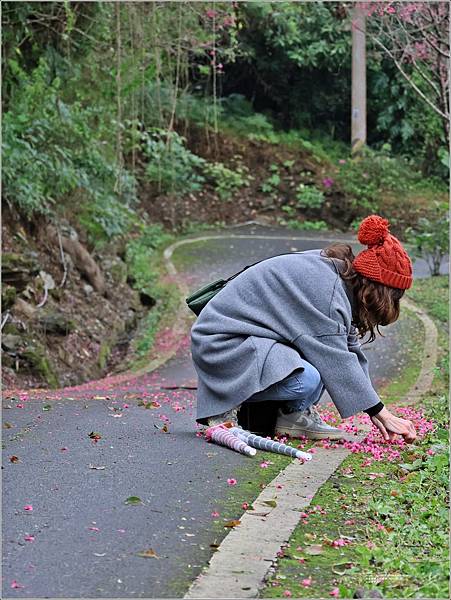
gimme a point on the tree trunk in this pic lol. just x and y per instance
(358, 102)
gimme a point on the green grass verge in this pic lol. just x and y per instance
(394, 524)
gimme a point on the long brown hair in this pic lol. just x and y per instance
(375, 304)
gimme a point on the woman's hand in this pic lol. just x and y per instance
(390, 426)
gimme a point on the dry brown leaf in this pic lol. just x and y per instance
(233, 523)
(150, 553)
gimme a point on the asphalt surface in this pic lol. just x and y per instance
(85, 538)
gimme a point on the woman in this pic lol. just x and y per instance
(287, 328)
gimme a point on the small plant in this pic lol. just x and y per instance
(430, 239)
(171, 165)
(270, 185)
(309, 197)
(227, 180)
(290, 210)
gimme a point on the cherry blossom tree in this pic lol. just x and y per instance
(415, 35)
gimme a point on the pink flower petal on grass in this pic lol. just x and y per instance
(307, 582)
(231, 481)
(245, 505)
(334, 592)
(215, 514)
(28, 507)
(287, 594)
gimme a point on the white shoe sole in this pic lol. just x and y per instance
(295, 432)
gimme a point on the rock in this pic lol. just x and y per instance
(116, 269)
(55, 322)
(88, 289)
(81, 258)
(11, 342)
(48, 280)
(19, 269)
(24, 309)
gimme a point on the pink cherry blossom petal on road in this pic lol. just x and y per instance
(29, 538)
(231, 481)
(15, 585)
(28, 507)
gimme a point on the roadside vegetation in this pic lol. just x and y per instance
(380, 522)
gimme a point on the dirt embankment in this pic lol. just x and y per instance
(68, 311)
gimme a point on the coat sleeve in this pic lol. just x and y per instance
(343, 375)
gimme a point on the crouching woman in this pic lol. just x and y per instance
(287, 328)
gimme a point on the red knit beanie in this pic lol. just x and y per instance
(385, 261)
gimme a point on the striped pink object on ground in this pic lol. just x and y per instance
(221, 435)
(257, 441)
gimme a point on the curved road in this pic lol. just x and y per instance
(80, 539)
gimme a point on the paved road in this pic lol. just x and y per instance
(85, 536)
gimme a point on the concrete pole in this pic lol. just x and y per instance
(358, 102)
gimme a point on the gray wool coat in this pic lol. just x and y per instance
(264, 323)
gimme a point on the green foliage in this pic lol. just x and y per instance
(430, 238)
(309, 197)
(306, 225)
(226, 180)
(433, 295)
(141, 257)
(171, 165)
(366, 179)
(50, 152)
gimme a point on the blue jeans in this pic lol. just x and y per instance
(300, 390)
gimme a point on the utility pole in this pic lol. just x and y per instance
(358, 102)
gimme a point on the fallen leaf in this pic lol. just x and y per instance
(7, 425)
(233, 523)
(271, 503)
(310, 536)
(47, 407)
(314, 549)
(164, 428)
(147, 553)
(95, 435)
(14, 459)
(133, 500)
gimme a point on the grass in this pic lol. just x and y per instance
(394, 524)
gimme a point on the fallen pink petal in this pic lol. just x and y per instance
(16, 585)
(231, 481)
(28, 507)
(29, 538)
(334, 592)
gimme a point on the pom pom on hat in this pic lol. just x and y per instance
(373, 231)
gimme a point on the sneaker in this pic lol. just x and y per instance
(230, 416)
(307, 423)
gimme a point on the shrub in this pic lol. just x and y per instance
(171, 165)
(430, 238)
(309, 197)
(225, 180)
